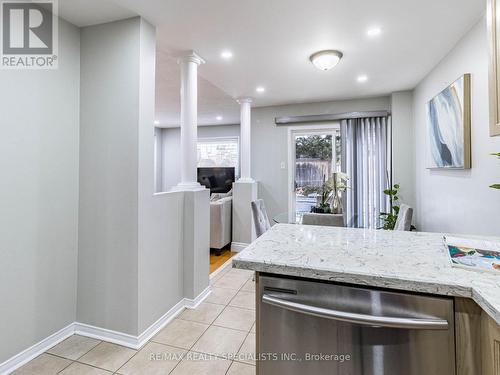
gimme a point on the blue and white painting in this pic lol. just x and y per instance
(447, 130)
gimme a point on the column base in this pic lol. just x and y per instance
(188, 186)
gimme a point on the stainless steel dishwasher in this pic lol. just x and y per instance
(317, 328)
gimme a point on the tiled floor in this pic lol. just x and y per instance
(217, 338)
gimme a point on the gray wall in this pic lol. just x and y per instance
(160, 251)
(459, 201)
(39, 198)
(270, 148)
(403, 145)
(108, 216)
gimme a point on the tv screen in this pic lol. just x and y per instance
(217, 179)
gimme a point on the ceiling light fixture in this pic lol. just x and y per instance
(362, 78)
(157, 122)
(260, 89)
(326, 60)
(226, 55)
(219, 118)
(373, 32)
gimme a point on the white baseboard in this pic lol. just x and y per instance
(194, 303)
(103, 334)
(27, 355)
(238, 246)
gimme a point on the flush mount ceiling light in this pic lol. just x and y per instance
(260, 89)
(373, 32)
(226, 55)
(219, 118)
(157, 122)
(362, 78)
(326, 60)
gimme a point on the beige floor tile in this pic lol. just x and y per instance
(201, 364)
(249, 286)
(239, 272)
(108, 356)
(241, 369)
(180, 333)
(221, 296)
(231, 281)
(44, 364)
(236, 318)
(204, 313)
(253, 330)
(74, 347)
(81, 369)
(153, 359)
(247, 351)
(245, 300)
(220, 341)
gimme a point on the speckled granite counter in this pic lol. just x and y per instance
(409, 261)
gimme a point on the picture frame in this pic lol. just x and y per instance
(493, 22)
(449, 126)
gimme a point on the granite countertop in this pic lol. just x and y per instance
(411, 261)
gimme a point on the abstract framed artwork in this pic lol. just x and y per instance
(449, 127)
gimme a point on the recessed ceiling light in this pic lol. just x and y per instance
(362, 78)
(157, 122)
(374, 31)
(260, 89)
(226, 54)
(326, 60)
(219, 118)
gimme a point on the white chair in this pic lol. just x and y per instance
(260, 218)
(405, 215)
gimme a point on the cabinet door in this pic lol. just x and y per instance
(490, 345)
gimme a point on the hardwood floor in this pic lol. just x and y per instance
(217, 261)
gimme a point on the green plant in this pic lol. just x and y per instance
(330, 188)
(496, 186)
(389, 218)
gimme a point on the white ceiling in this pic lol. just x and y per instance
(272, 41)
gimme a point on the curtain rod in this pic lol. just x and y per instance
(286, 120)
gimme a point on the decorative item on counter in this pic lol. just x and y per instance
(329, 194)
(496, 186)
(472, 254)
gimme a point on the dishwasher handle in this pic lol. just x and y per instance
(355, 318)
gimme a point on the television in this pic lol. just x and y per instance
(217, 179)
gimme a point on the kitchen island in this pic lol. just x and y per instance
(389, 260)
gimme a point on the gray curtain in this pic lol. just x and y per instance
(366, 158)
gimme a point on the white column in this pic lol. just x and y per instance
(189, 117)
(245, 138)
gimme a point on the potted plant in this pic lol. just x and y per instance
(389, 218)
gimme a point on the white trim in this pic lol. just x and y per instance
(120, 338)
(194, 303)
(292, 130)
(238, 246)
(157, 326)
(104, 334)
(27, 355)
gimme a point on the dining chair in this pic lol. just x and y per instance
(260, 218)
(327, 220)
(405, 215)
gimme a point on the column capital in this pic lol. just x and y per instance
(244, 100)
(191, 56)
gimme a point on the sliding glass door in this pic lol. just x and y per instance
(315, 155)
